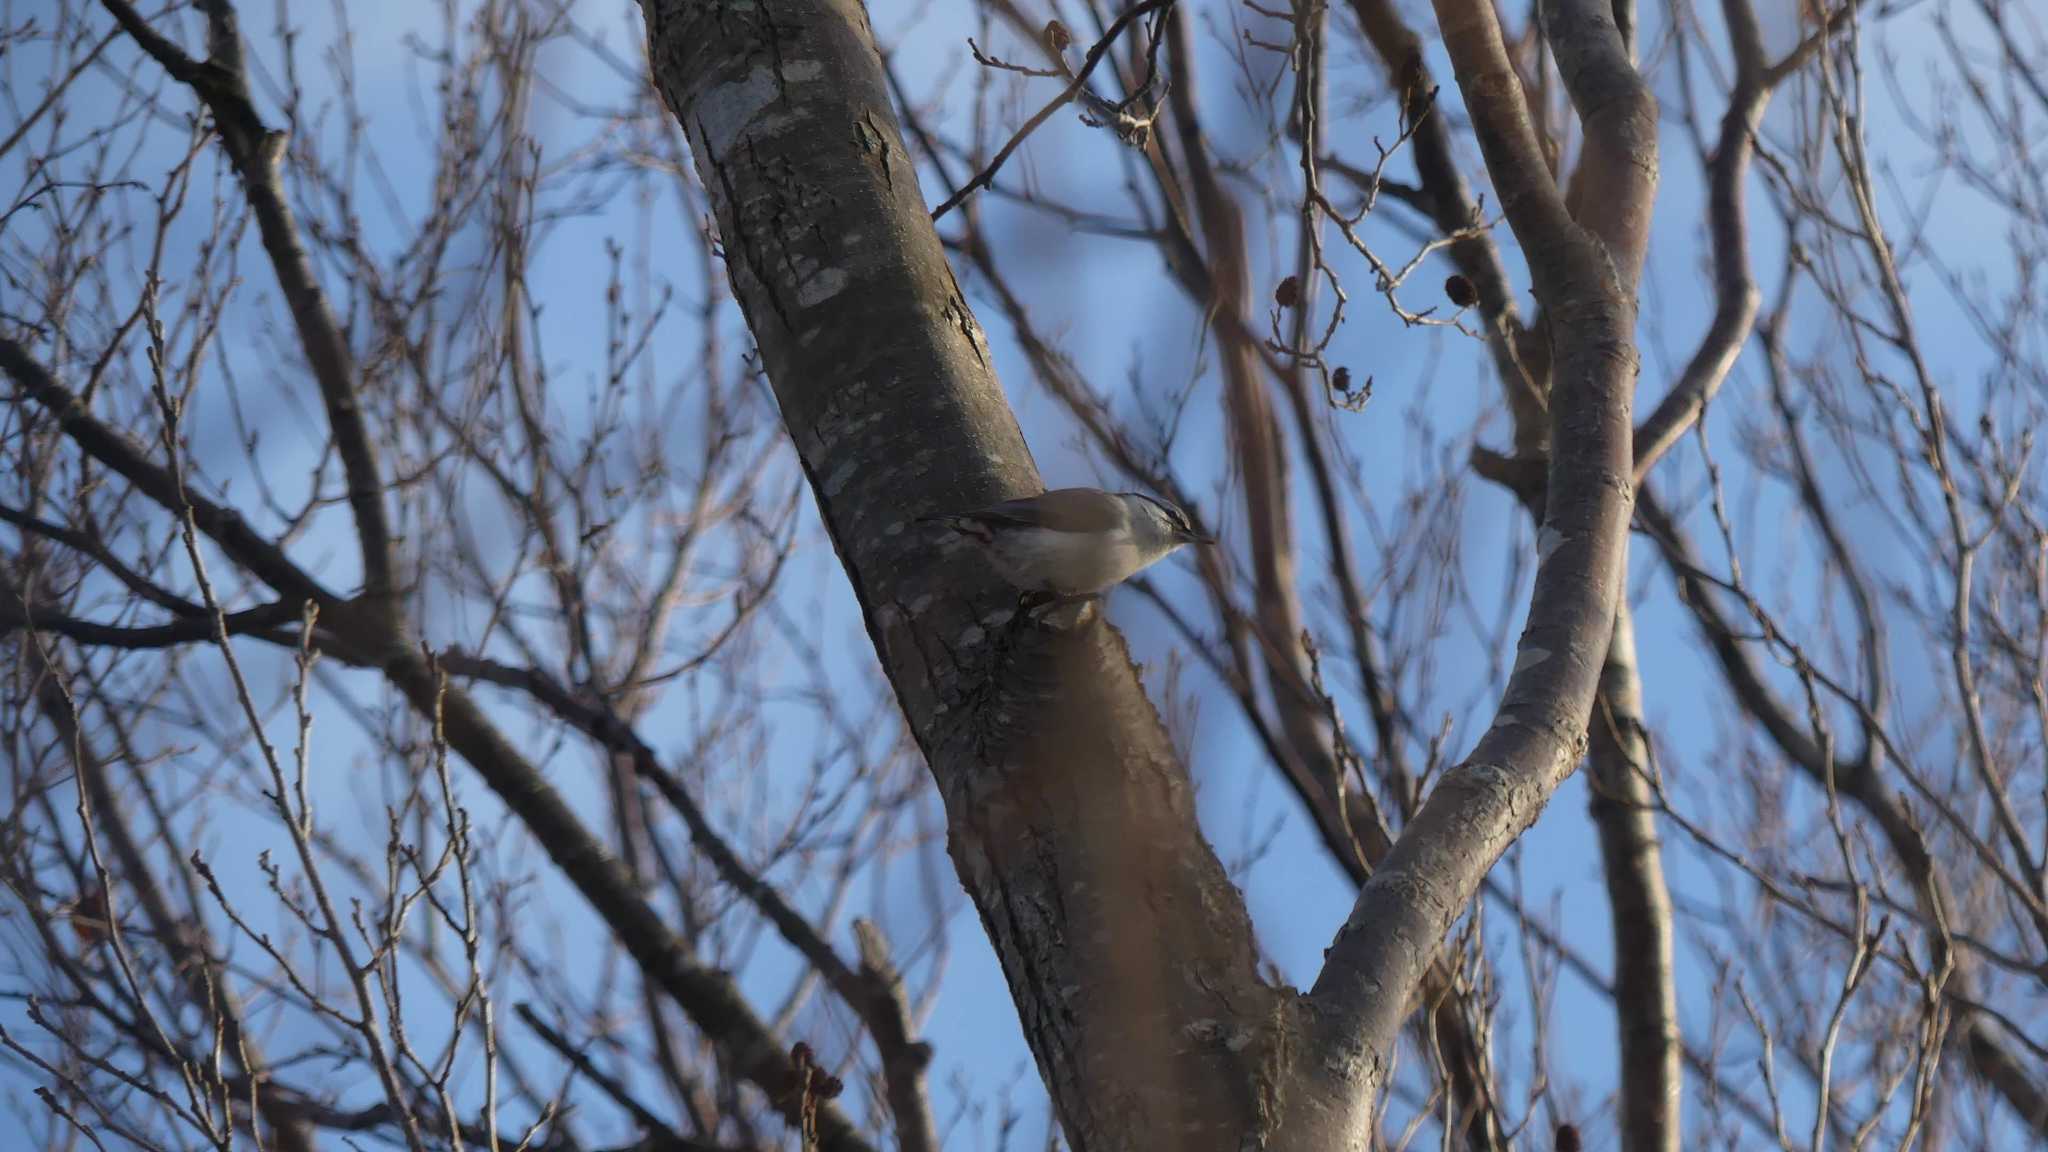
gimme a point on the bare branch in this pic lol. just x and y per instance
(1588, 287)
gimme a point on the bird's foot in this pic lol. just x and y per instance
(1054, 609)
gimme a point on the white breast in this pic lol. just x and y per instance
(1068, 563)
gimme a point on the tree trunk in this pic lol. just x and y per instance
(1128, 952)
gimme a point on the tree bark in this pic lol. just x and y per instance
(1584, 259)
(1645, 991)
(1072, 825)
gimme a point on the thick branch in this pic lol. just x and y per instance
(1645, 988)
(1071, 822)
(223, 525)
(186, 630)
(1258, 446)
(1586, 283)
(1508, 140)
(1616, 179)
(903, 1059)
(1735, 293)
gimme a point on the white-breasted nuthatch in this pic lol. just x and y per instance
(1074, 542)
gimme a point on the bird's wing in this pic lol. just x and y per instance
(1061, 510)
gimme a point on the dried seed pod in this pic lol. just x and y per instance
(89, 918)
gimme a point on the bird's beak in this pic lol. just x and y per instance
(1193, 537)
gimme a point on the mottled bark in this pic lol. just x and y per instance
(1128, 953)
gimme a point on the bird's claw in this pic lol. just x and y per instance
(1042, 607)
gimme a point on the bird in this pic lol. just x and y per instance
(1074, 543)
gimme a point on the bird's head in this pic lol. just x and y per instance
(1161, 522)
